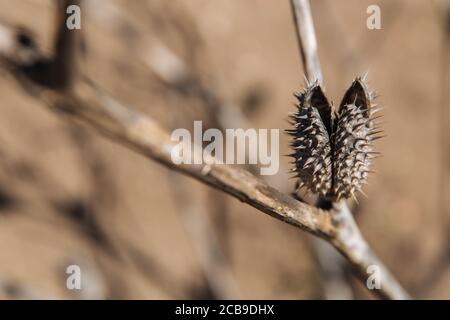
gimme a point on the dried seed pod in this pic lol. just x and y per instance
(333, 152)
(312, 149)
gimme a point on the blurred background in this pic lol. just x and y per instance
(139, 231)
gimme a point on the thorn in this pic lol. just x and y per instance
(364, 76)
(354, 197)
(300, 186)
(359, 126)
(293, 155)
(374, 155)
(375, 132)
(308, 162)
(306, 80)
(378, 137)
(377, 117)
(317, 168)
(362, 192)
(375, 110)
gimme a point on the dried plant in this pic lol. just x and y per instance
(85, 101)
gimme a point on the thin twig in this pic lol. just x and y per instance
(307, 39)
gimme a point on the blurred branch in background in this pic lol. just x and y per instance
(89, 215)
(86, 102)
(334, 276)
(12, 290)
(205, 241)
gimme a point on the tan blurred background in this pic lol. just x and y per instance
(68, 196)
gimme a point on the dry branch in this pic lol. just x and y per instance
(88, 103)
(307, 39)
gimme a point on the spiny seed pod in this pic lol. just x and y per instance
(333, 151)
(312, 148)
